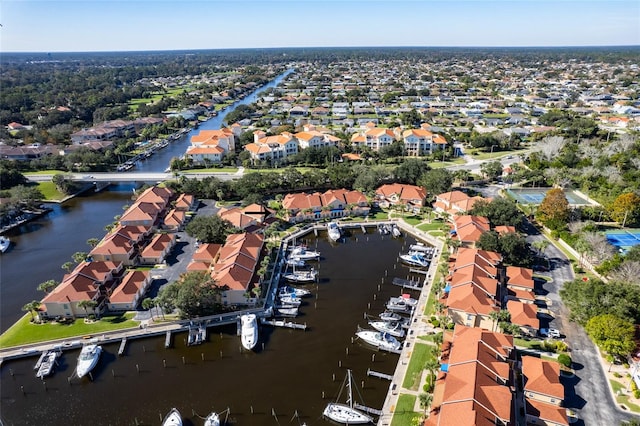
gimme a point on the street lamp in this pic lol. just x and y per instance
(492, 146)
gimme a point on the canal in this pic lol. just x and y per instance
(41, 247)
(282, 383)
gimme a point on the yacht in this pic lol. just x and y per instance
(289, 291)
(393, 328)
(213, 419)
(302, 253)
(296, 263)
(334, 231)
(390, 316)
(345, 413)
(4, 244)
(249, 331)
(173, 418)
(289, 301)
(89, 356)
(380, 340)
(415, 258)
(402, 303)
(395, 231)
(301, 276)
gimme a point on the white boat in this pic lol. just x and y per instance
(249, 331)
(395, 231)
(4, 244)
(296, 263)
(344, 412)
(415, 259)
(288, 291)
(173, 418)
(302, 253)
(402, 303)
(390, 316)
(89, 356)
(289, 300)
(380, 339)
(421, 248)
(282, 311)
(212, 419)
(48, 363)
(334, 231)
(393, 328)
(301, 276)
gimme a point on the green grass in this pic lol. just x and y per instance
(380, 215)
(626, 400)
(50, 191)
(421, 353)
(434, 226)
(403, 414)
(443, 164)
(279, 170)
(212, 170)
(412, 220)
(44, 172)
(23, 332)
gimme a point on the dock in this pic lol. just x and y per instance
(285, 324)
(412, 285)
(123, 345)
(167, 339)
(368, 409)
(380, 375)
(418, 271)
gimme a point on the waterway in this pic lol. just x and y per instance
(41, 247)
(282, 383)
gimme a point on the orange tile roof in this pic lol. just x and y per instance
(520, 277)
(203, 150)
(470, 299)
(158, 245)
(155, 194)
(237, 261)
(175, 218)
(206, 252)
(551, 413)
(404, 192)
(524, 314)
(504, 229)
(470, 228)
(131, 284)
(474, 275)
(542, 377)
(113, 244)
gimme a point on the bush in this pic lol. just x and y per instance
(565, 360)
(636, 394)
(617, 375)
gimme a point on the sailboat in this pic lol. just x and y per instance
(345, 413)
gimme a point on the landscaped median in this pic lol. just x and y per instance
(24, 332)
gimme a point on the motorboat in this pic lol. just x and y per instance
(384, 229)
(302, 253)
(393, 328)
(334, 231)
(89, 356)
(415, 259)
(296, 263)
(4, 244)
(420, 247)
(301, 276)
(47, 363)
(290, 312)
(395, 231)
(380, 339)
(390, 316)
(173, 418)
(289, 300)
(249, 331)
(402, 303)
(345, 413)
(213, 419)
(288, 291)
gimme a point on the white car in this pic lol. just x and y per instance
(554, 332)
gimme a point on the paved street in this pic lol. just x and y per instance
(588, 393)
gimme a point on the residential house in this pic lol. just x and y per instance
(116, 247)
(129, 293)
(333, 203)
(185, 203)
(204, 257)
(520, 284)
(272, 148)
(174, 220)
(455, 202)
(419, 142)
(525, 316)
(210, 146)
(411, 196)
(158, 249)
(315, 139)
(468, 229)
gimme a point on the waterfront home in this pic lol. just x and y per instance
(156, 194)
(236, 217)
(142, 214)
(129, 293)
(411, 196)
(235, 270)
(185, 203)
(467, 229)
(211, 145)
(88, 281)
(158, 249)
(116, 247)
(333, 203)
(455, 202)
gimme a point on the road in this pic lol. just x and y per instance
(134, 176)
(588, 393)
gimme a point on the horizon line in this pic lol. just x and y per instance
(598, 46)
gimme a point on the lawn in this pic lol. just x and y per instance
(434, 226)
(280, 170)
(212, 170)
(420, 355)
(443, 164)
(45, 172)
(379, 215)
(412, 220)
(23, 332)
(50, 191)
(403, 415)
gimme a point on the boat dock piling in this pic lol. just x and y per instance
(285, 324)
(368, 409)
(412, 285)
(123, 345)
(167, 339)
(370, 372)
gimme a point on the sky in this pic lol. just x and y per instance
(130, 25)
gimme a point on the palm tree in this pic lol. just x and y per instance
(147, 304)
(48, 285)
(67, 266)
(156, 302)
(494, 315)
(31, 307)
(79, 256)
(425, 401)
(84, 304)
(541, 245)
(93, 242)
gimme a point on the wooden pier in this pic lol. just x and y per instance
(378, 374)
(285, 324)
(368, 409)
(418, 271)
(411, 285)
(123, 345)
(167, 339)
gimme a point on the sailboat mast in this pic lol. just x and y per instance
(349, 394)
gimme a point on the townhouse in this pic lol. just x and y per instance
(333, 203)
(411, 196)
(210, 146)
(455, 202)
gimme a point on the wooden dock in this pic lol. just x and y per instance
(411, 285)
(167, 339)
(378, 374)
(418, 271)
(123, 345)
(367, 409)
(285, 324)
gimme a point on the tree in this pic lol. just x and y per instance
(93, 242)
(148, 303)
(84, 304)
(489, 240)
(515, 249)
(48, 285)
(554, 209)
(491, 169)
(612, 334)
(626, 209)
(586, 300)
(499, 211)
(425, 401)
(31, 307)
(79, 256)
(67, 266)
(209, 229)
(436, 181)
(410, 170)
(194, 294)
(541, 245)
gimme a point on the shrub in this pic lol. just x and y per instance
(561, 347)
(565, 360)
(617, 375)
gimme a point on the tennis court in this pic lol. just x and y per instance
(623, 239)
(536, 195)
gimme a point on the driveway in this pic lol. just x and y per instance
(588, 392)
